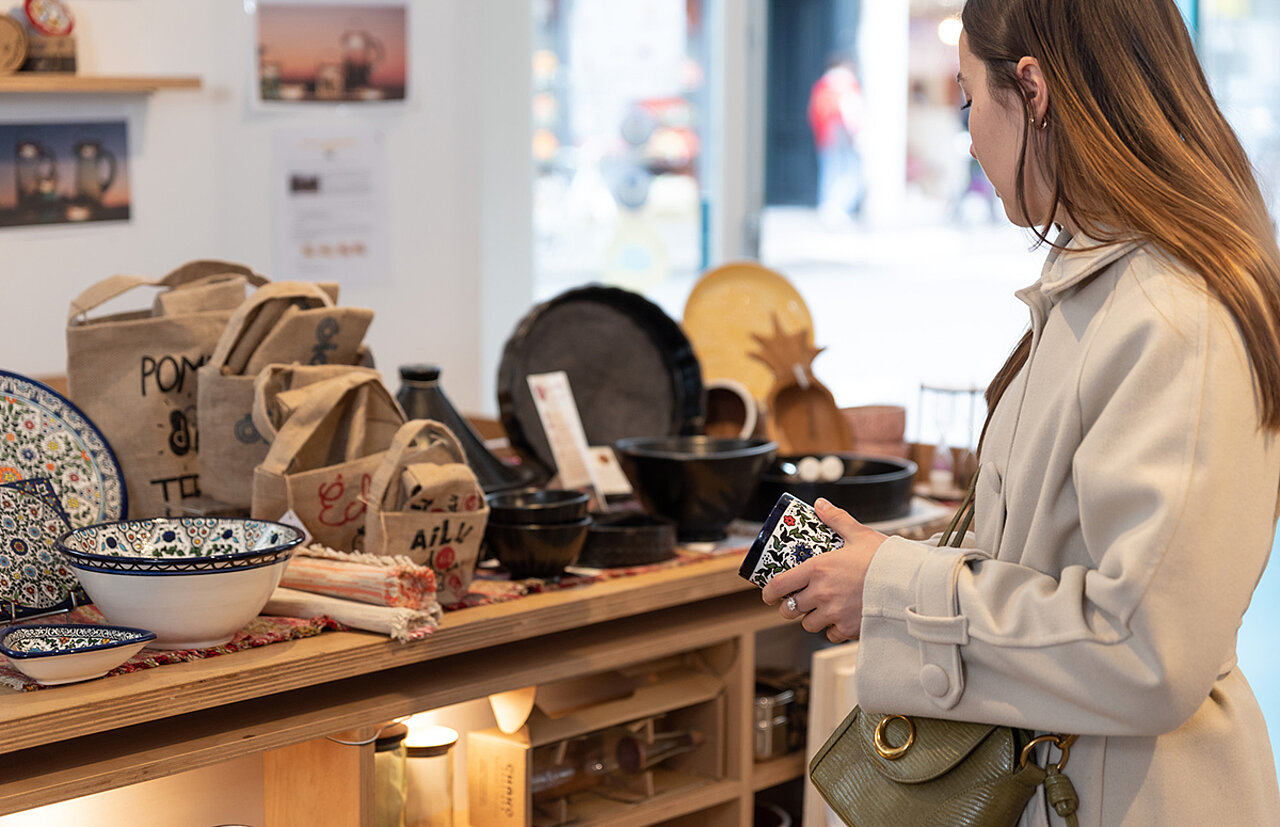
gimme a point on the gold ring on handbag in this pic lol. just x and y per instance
(894, 753)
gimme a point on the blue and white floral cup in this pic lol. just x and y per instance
(792, 534)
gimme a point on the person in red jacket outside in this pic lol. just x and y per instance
(835, 116)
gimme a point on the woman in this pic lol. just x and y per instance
(1126, 497)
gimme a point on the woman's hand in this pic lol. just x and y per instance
(827, 587)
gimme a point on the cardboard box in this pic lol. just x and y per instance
(500, 765)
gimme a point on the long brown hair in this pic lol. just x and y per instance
(1137, 149)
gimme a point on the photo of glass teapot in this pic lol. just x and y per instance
(95, 170)
(361, 51)
(35, 172)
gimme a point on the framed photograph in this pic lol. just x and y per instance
(331, 52)
(59, 173)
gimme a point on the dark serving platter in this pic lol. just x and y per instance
(872, 488)
(630, 367)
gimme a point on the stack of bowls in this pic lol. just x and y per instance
(194, 581)
(537, 533)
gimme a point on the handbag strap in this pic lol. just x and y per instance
(326, 401)
(109, 288)
(954, 535)
(277, 391)
(251, 309)
(434, 433)
(1061, 793)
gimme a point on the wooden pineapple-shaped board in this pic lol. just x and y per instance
(801, 413)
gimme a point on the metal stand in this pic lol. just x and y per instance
(10, 611)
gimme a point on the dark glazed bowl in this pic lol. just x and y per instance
(628, 538)
(529, 550)
(702, 483)
(872, 488)
(542, 507)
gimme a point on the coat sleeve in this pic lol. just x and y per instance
(1175, 488)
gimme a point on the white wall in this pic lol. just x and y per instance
(200, 166)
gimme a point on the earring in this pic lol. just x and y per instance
(1044, 124)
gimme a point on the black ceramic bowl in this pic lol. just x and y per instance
(628, 538)
(702, 483)
(872, 488)
(529, 550)
(539, 506)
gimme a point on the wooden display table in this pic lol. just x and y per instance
(69, 741)
(281, 700)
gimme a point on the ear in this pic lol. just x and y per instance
(1035, 91)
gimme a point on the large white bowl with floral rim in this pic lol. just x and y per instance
(69, 652)
(195, 582)
(192, 544)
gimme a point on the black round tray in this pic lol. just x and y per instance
(873, 488)
(630, 367)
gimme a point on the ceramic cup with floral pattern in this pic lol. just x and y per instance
(792, 534)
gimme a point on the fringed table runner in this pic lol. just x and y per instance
(261, 631)
(489, 586)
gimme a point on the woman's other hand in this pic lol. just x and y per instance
(827, 588)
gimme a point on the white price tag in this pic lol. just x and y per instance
(608, 473)
(289, 518)
(553, 399)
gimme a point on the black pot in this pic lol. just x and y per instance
(702, 483)
(872, 488)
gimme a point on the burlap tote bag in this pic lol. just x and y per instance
(426, 503)
(134, 373)
(282, 323)
(331, 438)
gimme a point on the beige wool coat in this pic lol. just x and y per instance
(1126, 505)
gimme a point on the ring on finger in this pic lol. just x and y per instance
(791, 604)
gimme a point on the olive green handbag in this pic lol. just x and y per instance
(880, 770)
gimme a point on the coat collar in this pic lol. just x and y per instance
(1082, 257)
(1071, 261)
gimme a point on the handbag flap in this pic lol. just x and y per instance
(937, 748)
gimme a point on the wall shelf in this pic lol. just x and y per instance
(56, 83)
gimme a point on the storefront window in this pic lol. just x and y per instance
(1237, 44)
(618, 112)
(1238, 40)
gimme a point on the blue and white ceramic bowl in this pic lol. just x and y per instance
(189, 544)
(791, 534)
(66, 653)
(194, 581)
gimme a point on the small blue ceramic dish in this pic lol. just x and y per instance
(65, 653)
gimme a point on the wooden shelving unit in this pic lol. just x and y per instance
(54, 83)
(777, 771)
(66, 742)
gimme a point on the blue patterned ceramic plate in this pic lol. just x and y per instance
(34, 573)
(43, 435)
(187, 544)
(65, 653)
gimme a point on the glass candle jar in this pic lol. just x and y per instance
(389, 776)
(429, 777)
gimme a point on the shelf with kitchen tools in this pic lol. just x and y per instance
(53, 83)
